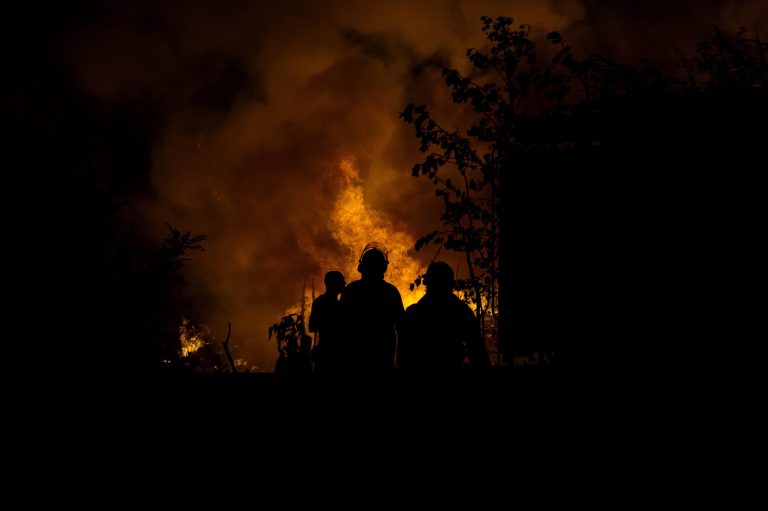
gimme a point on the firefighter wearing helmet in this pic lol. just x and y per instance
(372, 307)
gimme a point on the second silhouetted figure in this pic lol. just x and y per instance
(438, 332)
(371, 309)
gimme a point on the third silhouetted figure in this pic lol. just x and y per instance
(438, 332)
(326, 320)
(371, 308)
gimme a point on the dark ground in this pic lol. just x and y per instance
(540, 437)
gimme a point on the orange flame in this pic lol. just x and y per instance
(190, 337)
(354, 224)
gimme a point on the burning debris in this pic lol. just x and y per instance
(192, 338)
(201, 351)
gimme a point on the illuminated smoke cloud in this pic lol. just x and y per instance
(277, 124)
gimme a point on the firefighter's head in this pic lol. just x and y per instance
(334, 282)
(373, 261)
(439, 278)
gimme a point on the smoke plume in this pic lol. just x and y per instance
(273, 117)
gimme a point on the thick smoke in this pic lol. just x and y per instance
(259, 103)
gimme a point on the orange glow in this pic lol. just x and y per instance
(354, 224)
(190, 338)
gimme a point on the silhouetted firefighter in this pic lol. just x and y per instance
(371, 308)
(326, 320)
(440, 331)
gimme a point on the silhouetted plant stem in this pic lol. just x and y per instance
(225, 344)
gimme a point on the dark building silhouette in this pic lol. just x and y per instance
(640, 240)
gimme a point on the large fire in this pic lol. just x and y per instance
(354, 224)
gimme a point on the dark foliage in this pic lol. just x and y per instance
(584, 183)
(293, 344)
(89, 296)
